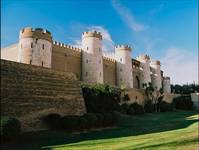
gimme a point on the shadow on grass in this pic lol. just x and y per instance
(129, 126)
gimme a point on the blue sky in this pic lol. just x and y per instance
(167, 30)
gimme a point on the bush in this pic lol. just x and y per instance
(164, 106)
(130, 110)
(69, 123)
(124, 108)
(101, 98)
(138, 109)
(100, 120)
(10, 128)
(91, 119)
(52, 120)
(108, 119)
(183, 102)
(82, 123)
(149, 107)
(115, 117)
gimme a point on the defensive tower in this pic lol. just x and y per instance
(166, 85)
(92, 62)
(146, 73)
(156, 74)
(124, 66)
(35, 47)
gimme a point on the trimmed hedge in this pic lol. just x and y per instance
(130, 110)
(183, 102)
(10, 128)
(69, 123)
(149, 107)
(164, 106)
(52, 120)
(91, 119)
(137, 108)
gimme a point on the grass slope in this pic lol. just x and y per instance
(162, 131)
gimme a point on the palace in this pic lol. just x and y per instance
(90, 64)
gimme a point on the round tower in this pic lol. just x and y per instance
(124, 66)
(35, 47)
(166, 85)
(156, 74)
(92, 62)
(146, 72)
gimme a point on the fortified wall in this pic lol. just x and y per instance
(38, 91)
(89, 64)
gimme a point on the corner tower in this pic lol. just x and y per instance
(35, 47)
(156, 74)
(92, 65)
(146, 73)
(124, 66)
(166, 85)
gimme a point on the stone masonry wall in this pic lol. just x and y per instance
(30, 92)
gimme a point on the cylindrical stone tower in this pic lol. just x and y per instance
(146, 73)
(124, 66)
(35, 47)
(156, 74)
(166, 85)
(92, 62)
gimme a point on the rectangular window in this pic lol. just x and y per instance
(120, 69)
(100, 61)
(31, 45)
(30, 61)
(86, 60)
(42, 63)
(87, 48)
(121, 59)
(43, 46)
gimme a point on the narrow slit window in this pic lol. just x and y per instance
(86, 60)
(121, 59)
(30, 61)
(43, 46)
(87, 48)
(42, 63)
(31, 45)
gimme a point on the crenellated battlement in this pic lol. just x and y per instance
(156, 62)
(109, 57)
(123, 47)
(39, 33)
(92, 34)
(143, 57)
(167, 78)
(62, 45)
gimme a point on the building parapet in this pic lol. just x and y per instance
(92, 34)
(123, 47)
(62, 45)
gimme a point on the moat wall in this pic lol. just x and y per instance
(29, 92)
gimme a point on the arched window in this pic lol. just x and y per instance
(137, 82)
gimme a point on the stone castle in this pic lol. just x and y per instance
(89, 64)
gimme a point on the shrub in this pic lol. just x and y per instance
(52, 120)
(115, 117)
(101, 98)
(82, 123)
(91, 119)
(130, 110)
(124, 108)
(69, 123)
(108, 119)
(164, 106)
(10, 128)
(137, 108)
(149, 107)
(126, 97)
(100, 120)
(183, 102)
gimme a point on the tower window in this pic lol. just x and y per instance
(42, 63)
(100, 74)
(86, 48)
(43, 46)
(100, 61)
(120, 69)
(86, 60)
(121, 59)
(30, 61)
(31, 45)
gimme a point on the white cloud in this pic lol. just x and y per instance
(180, 65)
(128, 17)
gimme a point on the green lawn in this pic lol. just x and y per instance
(171, 130)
